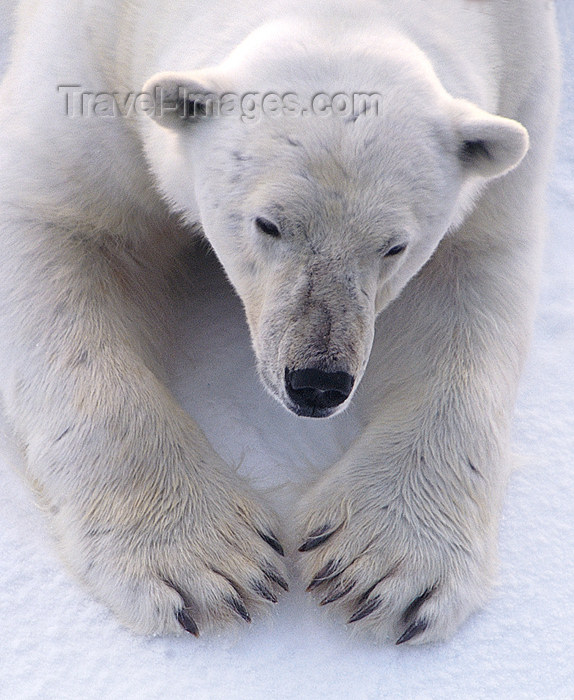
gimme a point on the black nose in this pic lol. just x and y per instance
(314, 391)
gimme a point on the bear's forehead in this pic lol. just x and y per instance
(335, 148)
(358, 175)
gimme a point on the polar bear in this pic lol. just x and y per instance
(129, 128)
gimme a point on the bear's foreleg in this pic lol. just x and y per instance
(146, 513)
(401, 534)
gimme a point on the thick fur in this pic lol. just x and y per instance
(400, 535)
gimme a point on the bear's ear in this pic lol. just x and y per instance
(488, 145)
(181, 98)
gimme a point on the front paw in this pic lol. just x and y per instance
(167, 559)
(401, 563)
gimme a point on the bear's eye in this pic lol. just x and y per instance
(267, 227)
(396, 250)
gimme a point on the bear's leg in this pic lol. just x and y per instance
(401, 534)
(145, 511)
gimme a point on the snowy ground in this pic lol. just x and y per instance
(56, 643)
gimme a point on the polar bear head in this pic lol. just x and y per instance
(320, 219)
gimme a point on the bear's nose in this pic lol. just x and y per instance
(315, 392)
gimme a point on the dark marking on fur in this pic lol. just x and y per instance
(98, 531)
(344, 172)
(63, 434)
(473, 468)
(289, 140)
(81, 359)
(301, 230)
(241, 157)
(234, 218)
(335, 196)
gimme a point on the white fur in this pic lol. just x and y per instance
(94, 212)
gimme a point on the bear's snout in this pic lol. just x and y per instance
(315, 392)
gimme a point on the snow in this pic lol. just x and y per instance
(58, 643)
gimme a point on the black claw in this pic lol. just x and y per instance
(327, 573)
(237, 606)
(368, 592)
(364, 596)
(187, 622)
(338, 593)
(317, 537)
(273, 575)
(272, 541)
(414, 607)
(366, 609)
(261, 589)
(413, 630)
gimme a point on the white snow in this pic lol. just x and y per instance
(57, 643)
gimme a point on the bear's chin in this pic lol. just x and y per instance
(312, 411)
